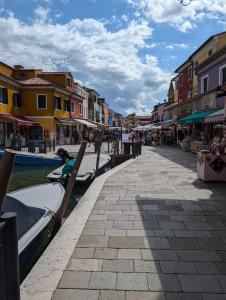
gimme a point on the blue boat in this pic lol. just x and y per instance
(35, 159)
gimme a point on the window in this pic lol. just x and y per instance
(196, 63)
(3, 95)
(204, 84)
(41, 101)
(16, 100)
(67, 105)
(72, 106)
(189, 73)
(57, 103)
(222, 75)
(80, 108)
(180, 79)
(210, 52)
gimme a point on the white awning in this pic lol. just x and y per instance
(86, 123)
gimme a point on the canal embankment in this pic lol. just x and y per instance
(43, 279)
(148, 229)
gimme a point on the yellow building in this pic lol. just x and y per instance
(40, 106)
(206, 50)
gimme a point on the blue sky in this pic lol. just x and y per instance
(125, 49)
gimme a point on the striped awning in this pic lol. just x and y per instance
(215, 117)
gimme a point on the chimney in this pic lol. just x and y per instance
(18, 67)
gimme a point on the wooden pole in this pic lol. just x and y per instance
(98, 158)
(6, 167)
(71, 182)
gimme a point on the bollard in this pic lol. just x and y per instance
(98, 157)
(2, 290)
(6, 167)
(10, 257)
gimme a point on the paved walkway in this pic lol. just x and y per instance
(156, 232)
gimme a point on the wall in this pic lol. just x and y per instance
(9, 108)
(6, 70)
(213, 72)
(186, 86)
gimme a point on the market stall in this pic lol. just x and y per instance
(198, 129)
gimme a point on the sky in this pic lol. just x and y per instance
(127, 50)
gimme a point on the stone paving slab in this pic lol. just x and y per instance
(156, 232)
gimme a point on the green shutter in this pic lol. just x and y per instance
(19, 102)
(5, 95)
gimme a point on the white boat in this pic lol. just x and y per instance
(35, 207)
(87, 169)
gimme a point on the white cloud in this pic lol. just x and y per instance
(108, 61)
(41, 13)
(183, 18)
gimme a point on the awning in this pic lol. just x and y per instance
(217, 116)
(86, 123)
(66, 121)
(21, 121)
(198, 117)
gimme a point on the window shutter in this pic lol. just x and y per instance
(5, 96)
(223, 75)
(14, 100)
(19, 102)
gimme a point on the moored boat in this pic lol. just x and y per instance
(36, 207)
(28, 158)
(87, 169)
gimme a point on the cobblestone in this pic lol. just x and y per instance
(156, 232)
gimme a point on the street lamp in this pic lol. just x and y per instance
(185, 2)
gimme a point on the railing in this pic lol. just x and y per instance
(117, 147)
(31, 145)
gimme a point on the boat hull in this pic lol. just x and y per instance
(34, 159)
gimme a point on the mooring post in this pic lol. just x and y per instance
(71, 182)
(98, 157)
(11, 281)
(2, 281)
(6, 167)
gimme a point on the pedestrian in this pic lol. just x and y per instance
(126, 140)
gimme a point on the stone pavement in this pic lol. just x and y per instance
(156, 232)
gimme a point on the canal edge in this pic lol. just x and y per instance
(54, 260)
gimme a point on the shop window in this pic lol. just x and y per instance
(3, 95)
(189, 73)
(41, 102)
(57, 102)
(16, 100)
(72, 106)
(204, 84)
(222, 75)
(67, 105)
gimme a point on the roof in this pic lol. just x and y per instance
(57, 73)
(35, 81)
(200, 47)
(198, 117)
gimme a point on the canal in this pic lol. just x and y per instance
(25, 176)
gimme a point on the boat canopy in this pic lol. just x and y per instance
(27, 216)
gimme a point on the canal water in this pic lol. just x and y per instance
(25, 176)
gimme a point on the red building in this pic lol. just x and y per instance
(184, 81)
